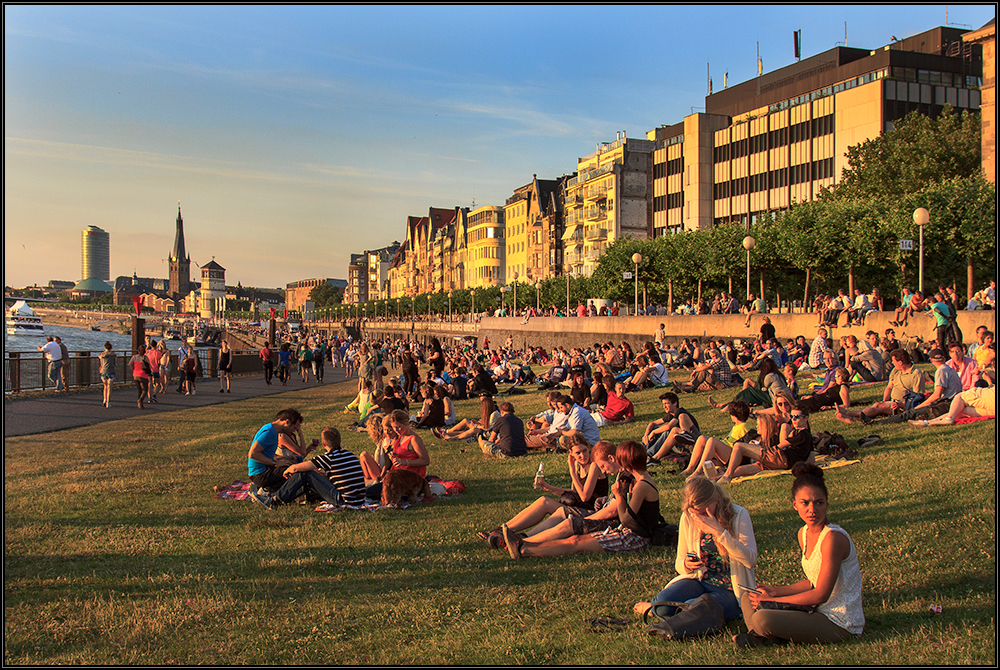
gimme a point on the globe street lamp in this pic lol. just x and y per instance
(538, 304)
(748, 244)
(636, 257)
(920, 217)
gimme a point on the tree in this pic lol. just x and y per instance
(918, 151)
(326, 295)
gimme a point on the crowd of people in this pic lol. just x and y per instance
(406, 397)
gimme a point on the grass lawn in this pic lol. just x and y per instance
(117, 552)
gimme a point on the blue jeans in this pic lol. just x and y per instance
(686, 590)
(55, 375)
(656, 442)
(297, 483)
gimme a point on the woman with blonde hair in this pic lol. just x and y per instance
(470, 428)
(716, 551)
(375, 465)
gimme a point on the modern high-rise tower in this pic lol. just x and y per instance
(96, 254)
(180, 262)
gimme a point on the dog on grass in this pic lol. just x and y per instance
(398, 483)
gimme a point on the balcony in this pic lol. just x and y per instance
(593, 254)
(599, 192)
(596, 233)
(595, 212)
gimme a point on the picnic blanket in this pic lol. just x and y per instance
(239, 490)
(971, 419)
(826, 465)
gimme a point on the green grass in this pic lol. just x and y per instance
(131, 559)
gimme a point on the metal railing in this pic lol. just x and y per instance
(29, 371)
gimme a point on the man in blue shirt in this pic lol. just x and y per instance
(263, 470)
(941, 315)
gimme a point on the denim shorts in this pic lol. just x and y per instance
(107, 376)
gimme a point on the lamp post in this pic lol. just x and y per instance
(449, 304)
(920, 217)
(472, 314)
(636, 257)
(538, 297)
(513, 311)
(748, 244)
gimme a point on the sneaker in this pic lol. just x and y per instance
(188, 393)
(438, 433)
(222, 390)
(262, 498)
(194, 391)
(228, 391)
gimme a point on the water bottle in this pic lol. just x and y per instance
(539, 476)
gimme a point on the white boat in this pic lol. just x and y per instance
(22, 320)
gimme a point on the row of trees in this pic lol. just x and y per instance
(848, 237)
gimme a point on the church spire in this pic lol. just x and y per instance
(179, 251)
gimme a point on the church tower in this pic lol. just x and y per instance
(180, 263)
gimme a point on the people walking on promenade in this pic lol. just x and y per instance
(53, 356)
(108, 363)
(265, 358)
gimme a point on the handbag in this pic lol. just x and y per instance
(702, 616)
(571, 499)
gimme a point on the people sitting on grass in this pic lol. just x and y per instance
(618, 409)
(471, 428)
(580, 391)
(794, 444)
(506, 438)
(947, 385)
(407, 451)
(770, 381)
(647, 374)
(818, 349)
(708, 448)
(712, 374)
(832, 584)
(544, 428)
(588, 485)
(636, 504)
(716, 552)
(677, 431)
(965, 366)
(376, 464)
(432, 412)
(837, 393)
(864, 358)
(262, 468)
(905, 378)
(335, 476)
(362, 403)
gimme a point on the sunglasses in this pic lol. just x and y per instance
(799, 416)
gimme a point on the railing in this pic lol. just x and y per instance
(29, 371)
(596, 233)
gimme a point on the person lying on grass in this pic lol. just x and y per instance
(977, 401)
(636, 503)
(589, 483)
(716, 551)
(471, 428)
(832, 584)
(335, 476)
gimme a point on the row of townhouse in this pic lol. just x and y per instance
(758, 147)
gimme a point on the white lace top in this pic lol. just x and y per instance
(844, 604)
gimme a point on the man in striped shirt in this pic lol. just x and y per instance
(335, 476)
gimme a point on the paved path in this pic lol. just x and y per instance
(45, 414)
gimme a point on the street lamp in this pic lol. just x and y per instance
(513, 310)
(449, 304)
(538, 303)
(748, 244)
(920, 217)
(636, 257)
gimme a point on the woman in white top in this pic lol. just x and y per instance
(832, 585)
(716, 551)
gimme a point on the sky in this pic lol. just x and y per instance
(295, 136)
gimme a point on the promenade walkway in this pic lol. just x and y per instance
(30, 416)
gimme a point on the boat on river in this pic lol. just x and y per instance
(22, 320)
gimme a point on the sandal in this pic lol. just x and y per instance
(869, 441)
(485, 535)
(513, 542)
(496, 542)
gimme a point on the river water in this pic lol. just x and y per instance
(75, 339)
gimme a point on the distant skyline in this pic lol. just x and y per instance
(295, 136)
